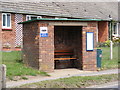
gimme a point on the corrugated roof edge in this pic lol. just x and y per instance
(46, 19)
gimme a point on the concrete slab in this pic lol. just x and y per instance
(68, 72)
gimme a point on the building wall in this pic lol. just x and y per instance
(8, 36)
(46, 49)
(14, 37)
(38, 52)
(18, 30)
(89, 57)
(102, 31)
(31, 45)
(0, 32)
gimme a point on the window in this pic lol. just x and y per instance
(6, 20)
(30, 17)
(115, 29)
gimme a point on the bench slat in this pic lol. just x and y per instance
(60, 51)
(63, 54)
(64, 58)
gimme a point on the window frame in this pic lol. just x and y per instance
(30, 17)
(6, 27)
(117, 33)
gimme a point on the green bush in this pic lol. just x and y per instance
(116, 42)
(104, 44)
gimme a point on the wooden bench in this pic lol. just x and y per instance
(64, 55)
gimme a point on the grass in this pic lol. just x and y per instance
(73, 82)
(15, 67)
(107, 63)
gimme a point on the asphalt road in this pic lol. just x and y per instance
(107, 85)
(111, 86)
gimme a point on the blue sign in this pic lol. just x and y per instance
(43, 34)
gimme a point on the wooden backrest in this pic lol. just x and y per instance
(63, 52)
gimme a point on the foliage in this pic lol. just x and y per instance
(116, 42)
(104, 44)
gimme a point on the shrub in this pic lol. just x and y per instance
(116, 42)
(104, 44)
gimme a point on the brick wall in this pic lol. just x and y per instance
(0, 32)
(102, 31)
(38, 52)
(46, 49)
(89, 57)
(8, 36)
(31, 45)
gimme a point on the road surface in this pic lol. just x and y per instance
(107, 85)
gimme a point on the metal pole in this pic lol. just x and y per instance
(111, 43)
(111, 50)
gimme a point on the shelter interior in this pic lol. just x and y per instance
(68, 44)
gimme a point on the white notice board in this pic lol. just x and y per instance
(89, 41)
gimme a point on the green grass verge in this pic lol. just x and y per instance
(73, 82)
(107, 63)
(15, 67)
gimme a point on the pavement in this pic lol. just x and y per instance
(60, 73)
